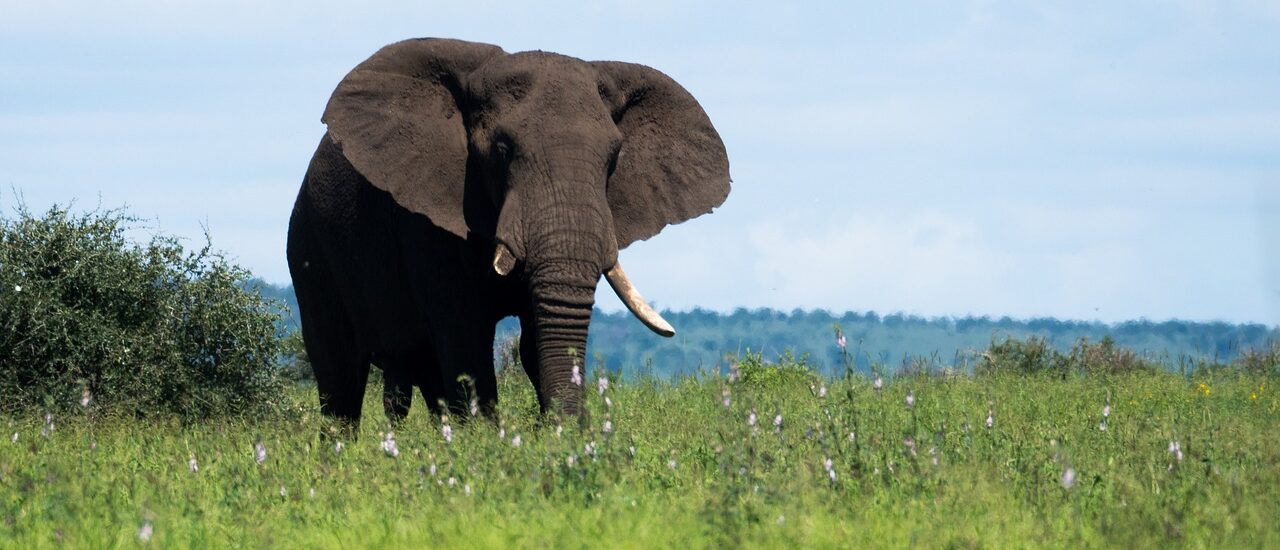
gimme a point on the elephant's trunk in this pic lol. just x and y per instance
(563, 295)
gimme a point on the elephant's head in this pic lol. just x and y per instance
(558, 161)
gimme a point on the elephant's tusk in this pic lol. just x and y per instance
(503, 261)
(635, 302)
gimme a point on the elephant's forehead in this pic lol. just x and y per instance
(534, 69)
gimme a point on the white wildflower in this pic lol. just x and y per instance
(432, 469)
(85, 398)
(337, 447)
(192, 464)
(840, 341)
(466, 489)
(822, 391)
(632, 451)
(878, 384)
(14, 439)
(145, 532)
(389, 445)
(602, 384)
(1106, 410)
(991, 420)
(312, 492)
(283, 494)
(559, 430)
(447, 432)
(777, 423)
(576, 376)
(852, 437)
(259, 452)
(570, 460)
(671, 464)
(1068, 477)
(452, 481)
(1175, 449)
(751, 419)
(475, 406)
(516, 441)
(608, 403)
(911, 399)
(607, 427)
(17, 288)
(725, 397)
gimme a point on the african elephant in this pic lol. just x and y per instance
(458, 184)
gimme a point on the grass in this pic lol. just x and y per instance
(700, 476)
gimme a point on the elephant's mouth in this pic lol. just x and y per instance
(504, 261)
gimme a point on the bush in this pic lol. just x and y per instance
(1036, 355)
(788, 372)
(1019, 356)
(144, 329)
(1264, 361)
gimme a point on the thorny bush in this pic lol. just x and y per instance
(86, 315)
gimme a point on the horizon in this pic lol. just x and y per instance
(1106, 163)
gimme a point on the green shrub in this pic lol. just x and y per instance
(1036, 355)
(1264, 361)
(788, 373)
(1019, 356)
(144, 329)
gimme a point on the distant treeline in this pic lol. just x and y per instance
(703, 337)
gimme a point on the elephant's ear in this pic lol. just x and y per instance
(397, 117)
(672, 165)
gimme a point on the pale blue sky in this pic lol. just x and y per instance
(1087, 160)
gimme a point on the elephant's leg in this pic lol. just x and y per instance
(465, 349)
(529, 358)
(341, 367)
(429, 384)
(397, 386)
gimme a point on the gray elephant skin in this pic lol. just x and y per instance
(458, 184)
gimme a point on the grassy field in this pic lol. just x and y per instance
(791, 460)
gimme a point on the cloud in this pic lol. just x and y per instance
(1029, 260)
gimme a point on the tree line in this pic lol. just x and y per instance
(705, 338)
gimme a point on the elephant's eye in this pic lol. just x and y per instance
(502, 149)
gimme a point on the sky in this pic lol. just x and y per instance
(1085, 160)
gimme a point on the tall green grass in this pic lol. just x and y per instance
(847, 465)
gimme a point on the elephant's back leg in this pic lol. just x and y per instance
(401, 372)
(341, 366)
(318, 235)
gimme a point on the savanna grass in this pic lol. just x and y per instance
(797, 460)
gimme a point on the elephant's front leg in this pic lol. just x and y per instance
(464, 351)
(397, 387)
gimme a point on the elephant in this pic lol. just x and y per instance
(457, 184)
